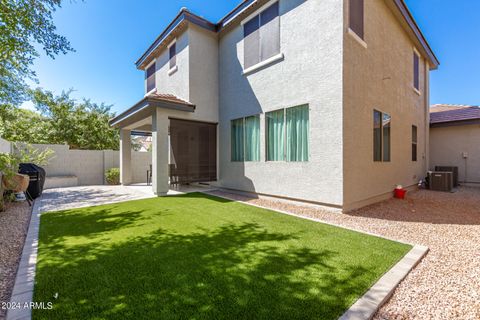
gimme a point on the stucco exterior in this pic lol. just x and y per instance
(380, 76)
(341, 78)
(312, 77)
(448, 145)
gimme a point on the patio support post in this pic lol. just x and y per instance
(125, 157)
(160, 125)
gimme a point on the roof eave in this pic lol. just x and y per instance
(183, 15)
(149, 102)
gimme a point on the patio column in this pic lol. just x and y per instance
(125, 157)
(160, 125)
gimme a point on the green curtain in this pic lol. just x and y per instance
(297, 133)
(237, 140)
(252, 138)
(275, 135)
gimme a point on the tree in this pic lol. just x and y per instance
(61, 120)
(81, 125)
(24, 23)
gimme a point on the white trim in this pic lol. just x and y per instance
(264, 63)
(130, 114)
(417, 91)
(151, 91)
(357, 38)
(173, 70)
(258, 11)
(171, 44)
(150, 64)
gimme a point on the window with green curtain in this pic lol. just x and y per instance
(252, 138)
(275, 135)
(237, 139)
(297, 133)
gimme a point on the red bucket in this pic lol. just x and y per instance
(399, 193)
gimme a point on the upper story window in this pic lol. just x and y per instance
(172, 55)
(356, 17)
(262, 36)
(150, 75)
(416, 70)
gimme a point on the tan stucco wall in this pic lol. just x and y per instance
(381, 77)
(447, 145)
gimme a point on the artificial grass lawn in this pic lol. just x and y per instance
(202, 257)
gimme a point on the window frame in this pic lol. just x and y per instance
(285, 142)
(414, 143)
(258, 15)
(351, 28)
(416, 69)
(381, 143)
(153, 76)
(244, 141)
(172, 67)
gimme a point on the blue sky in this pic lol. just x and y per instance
(109, 36)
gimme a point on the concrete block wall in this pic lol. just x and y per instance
(5, 146)
(89, 166)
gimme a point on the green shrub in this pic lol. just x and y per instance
(113, 176)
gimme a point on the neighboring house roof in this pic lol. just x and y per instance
(441, 115)
(247, 6)
(154, 100)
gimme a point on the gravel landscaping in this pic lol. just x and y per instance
(446, 284)
(13, 229)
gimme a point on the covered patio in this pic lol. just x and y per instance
(184, 150)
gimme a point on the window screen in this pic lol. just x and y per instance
(173, 55)
(251, 42)
(262, 36)
(269, 32)
(275, 135)
(386, 136)
(237, 142)
(252, 138)
(356, 17)
(416, 71)
(297, 133)
(150, 75)
(377, 135)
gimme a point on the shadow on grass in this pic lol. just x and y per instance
(231, 272)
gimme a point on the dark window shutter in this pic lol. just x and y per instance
(173, 55)
(150, 74)
(414, 143)
(416, 69)
(386, 123)
(356, 17)
(251, 49)
(270, 32)
(377, 136)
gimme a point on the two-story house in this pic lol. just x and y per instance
(320, 101)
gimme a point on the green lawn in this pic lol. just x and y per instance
(201, 257)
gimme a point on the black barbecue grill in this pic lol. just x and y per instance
(37, 179)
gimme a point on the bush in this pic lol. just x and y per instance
(113, 176)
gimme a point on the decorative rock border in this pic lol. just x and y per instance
(380, 292)
(22, 294)
(367, 305)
